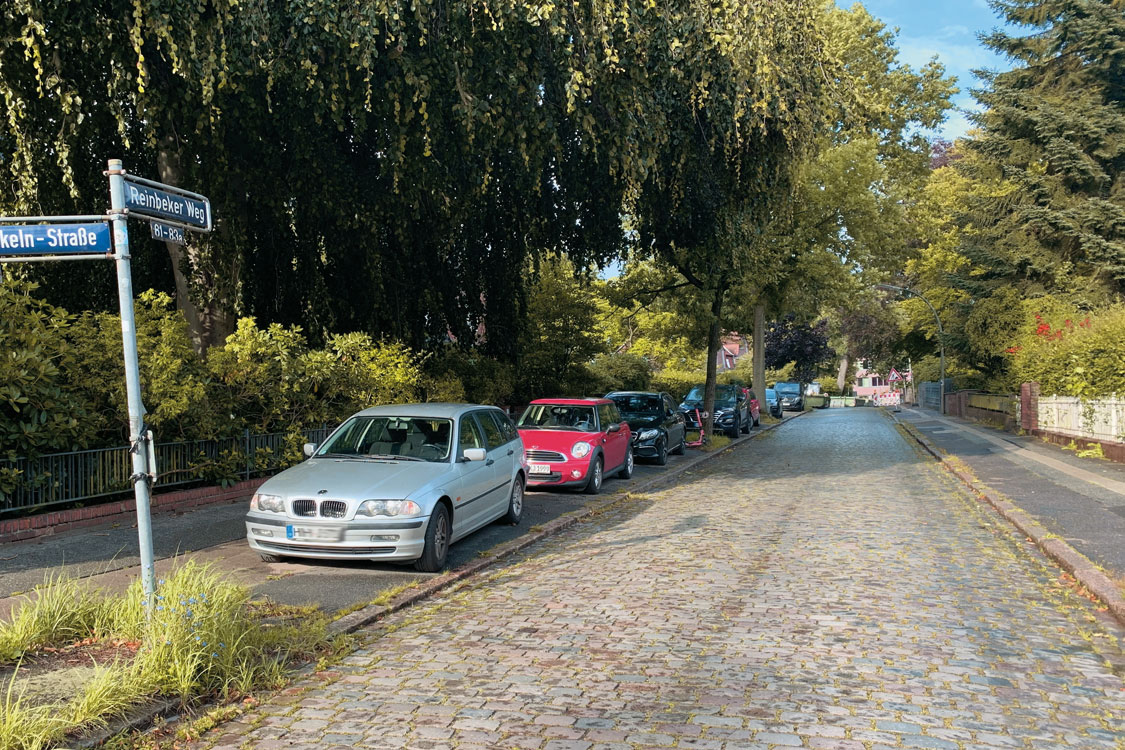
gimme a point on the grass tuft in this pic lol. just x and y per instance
(61, 610)
(202, 638)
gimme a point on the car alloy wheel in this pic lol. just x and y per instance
(436, 546)
(627, 468)
(515, 503)
(661, 452)
(594, 485)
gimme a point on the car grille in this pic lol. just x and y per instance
(545, 456)
(277, 546)
(333, 508)
(307, 508)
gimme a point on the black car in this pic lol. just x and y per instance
(732, 409)
(790, 395)
(773, 403)
(657, 426)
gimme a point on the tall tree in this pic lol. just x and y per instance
(1052, 137)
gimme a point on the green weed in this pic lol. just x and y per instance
(60, 610)
(201, 637)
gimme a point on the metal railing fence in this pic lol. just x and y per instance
(103, 473)
(1093, 419)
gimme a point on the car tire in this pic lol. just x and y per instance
(626, 469)
(269, 558)
(436, 547)
(748, 424)
(661, 452)
(515, 503)
(594, 483)
(681, 449)
(757, 420)
(733, 432)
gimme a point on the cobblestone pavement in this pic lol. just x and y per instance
(822, 587)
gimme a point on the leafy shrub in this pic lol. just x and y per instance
(40, 411)
(174, 382)
(677, 382)
(622, 372)
(1072, 353)
(455, 374)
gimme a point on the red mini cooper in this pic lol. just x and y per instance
(575, 442)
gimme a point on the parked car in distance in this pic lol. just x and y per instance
(773, 403)
(791, 397)
(575, 442)
(657, 425)
(393, 483)
(732, 409)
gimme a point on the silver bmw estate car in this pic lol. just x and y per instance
(396, 483)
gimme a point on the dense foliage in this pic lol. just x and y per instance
(1026, 217)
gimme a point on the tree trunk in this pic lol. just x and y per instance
(209, 323)
(759, 361)
(842, 374)
(714, 341)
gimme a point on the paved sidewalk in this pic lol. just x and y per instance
(1080, 500)
(832, 589)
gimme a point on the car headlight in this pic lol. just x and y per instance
(580, 450)
(649, 434)
(388, 508)
(270, 503)
(722, 413)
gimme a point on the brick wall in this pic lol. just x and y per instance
(55, 522)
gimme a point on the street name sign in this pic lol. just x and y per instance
(55, 239)
(166, 203)
(167, 233)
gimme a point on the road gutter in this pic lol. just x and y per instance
(1057, 549)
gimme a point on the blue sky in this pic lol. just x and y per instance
(947, 29)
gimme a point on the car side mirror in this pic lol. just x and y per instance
(475, 454)
(614, 428)
(310, 449)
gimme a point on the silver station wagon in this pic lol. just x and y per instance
(396, 483)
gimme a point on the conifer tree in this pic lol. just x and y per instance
(1052, 143)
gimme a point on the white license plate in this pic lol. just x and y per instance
(538, 469)
(314, 533)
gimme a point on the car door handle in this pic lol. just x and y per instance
(489, 462)
(510, 452)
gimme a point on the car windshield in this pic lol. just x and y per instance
(723, 394)
(559, 417)
(644, 404)
(389, 437)
(787, 388)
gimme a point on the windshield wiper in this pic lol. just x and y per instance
(391, 457)
(336, 455)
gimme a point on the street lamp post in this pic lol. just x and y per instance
(940, 332)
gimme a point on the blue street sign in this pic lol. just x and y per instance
(143, 200)
(166, 233)
(54, 239)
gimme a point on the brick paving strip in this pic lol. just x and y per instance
(145, 716)
(361, 618)
(1056, 548)
(830, 589)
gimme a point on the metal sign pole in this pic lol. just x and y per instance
(138, 436)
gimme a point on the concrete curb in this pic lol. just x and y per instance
(353, 621)
(1057, 549)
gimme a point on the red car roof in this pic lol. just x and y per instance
(573, 401)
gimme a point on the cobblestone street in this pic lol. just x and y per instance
(823, 586)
